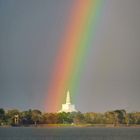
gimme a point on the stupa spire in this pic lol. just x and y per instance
(68, 98)
(68, 107)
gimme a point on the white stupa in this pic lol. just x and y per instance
(68, 107)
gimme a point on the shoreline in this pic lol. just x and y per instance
(71, 126)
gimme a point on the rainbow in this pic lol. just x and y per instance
(74, 47)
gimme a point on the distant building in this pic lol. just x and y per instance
(68, 107)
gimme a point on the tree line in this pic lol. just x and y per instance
(34, 117)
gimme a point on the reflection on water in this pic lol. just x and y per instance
(69, 133)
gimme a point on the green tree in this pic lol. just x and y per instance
(27, 117)
(64, 117)
(2, 116)
(110, 117)
(78, 118)
(121, 115)
(10, 115)
(89, 117)
(134, 118)
(36, 116)
(50, 118)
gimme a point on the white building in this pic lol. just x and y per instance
(68, 107)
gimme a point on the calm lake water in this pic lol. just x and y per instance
(69, 133)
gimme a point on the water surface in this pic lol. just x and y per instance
(19, 133)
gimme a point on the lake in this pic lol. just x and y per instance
(25, 133)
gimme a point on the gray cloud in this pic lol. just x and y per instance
(29, 35)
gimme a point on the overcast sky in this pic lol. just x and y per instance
(30, 31)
